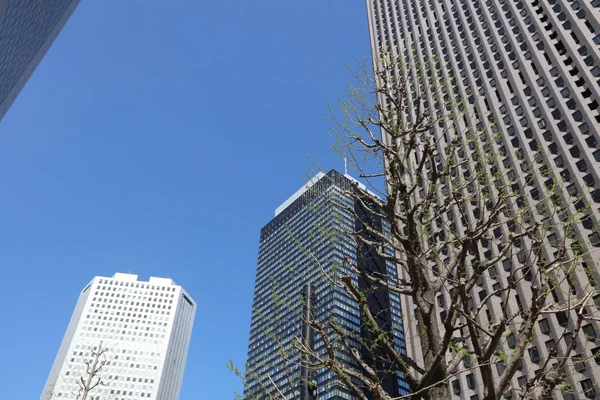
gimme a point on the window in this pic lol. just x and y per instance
(544, 326)
(500, 367)
(590, 332)
(579, 363)
(562, 318)
(551, 347)
(511, 340)
(568, 396)
(470, 381)
(440, 300)
(588, 388)
(594, 239)
(534, 354)
(596, 299)
(522, 381)
(596, 355)
(456, 386)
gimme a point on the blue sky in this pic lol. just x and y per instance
(159, 137)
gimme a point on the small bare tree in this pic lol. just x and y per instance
(94, 376)
(489, 245)
(94, 370)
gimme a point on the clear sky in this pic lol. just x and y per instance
(159, 137)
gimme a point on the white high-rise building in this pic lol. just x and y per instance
(146, 327)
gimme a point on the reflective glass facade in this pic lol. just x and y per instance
(301, 245)
(27, 29)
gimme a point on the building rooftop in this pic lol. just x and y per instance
(299, 193)
(311, 183)
(134, 278)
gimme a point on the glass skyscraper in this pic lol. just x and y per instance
(533, 67)
(27, 30)
(306, 244)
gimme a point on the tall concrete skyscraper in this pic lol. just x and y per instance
(146, 328)
(27, 30)
(299, 248)
(533, 66)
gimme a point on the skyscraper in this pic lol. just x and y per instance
(534, 67)
(146, 328)
(27, 30)
(299, 248)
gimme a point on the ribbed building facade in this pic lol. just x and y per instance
(304, 245)
(27, 30)
(533, 67)
(145, 328)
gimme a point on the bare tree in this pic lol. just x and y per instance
(94, 376)
(489, 248)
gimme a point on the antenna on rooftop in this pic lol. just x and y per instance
(345, 165)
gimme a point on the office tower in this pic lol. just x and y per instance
(304, 243)
(534, 67)
(146, 327)
(27, 30)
